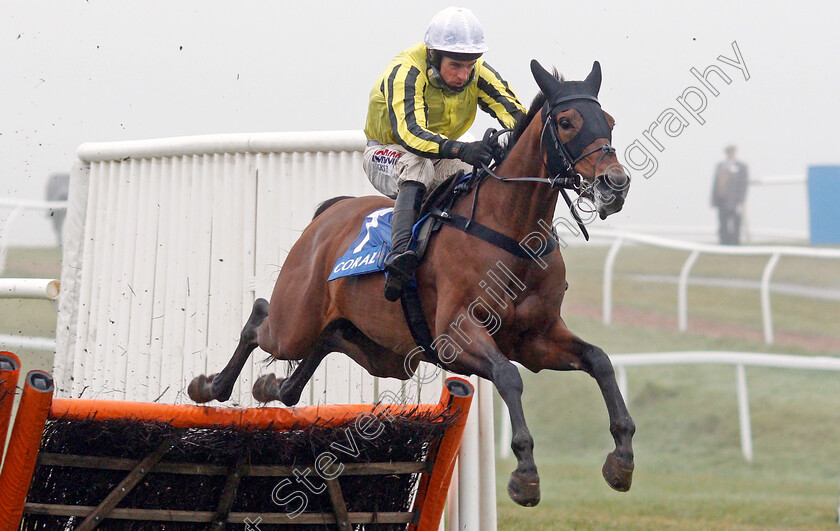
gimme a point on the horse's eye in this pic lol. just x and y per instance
(565, 124)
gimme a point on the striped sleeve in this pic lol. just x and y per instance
(407, 111)
(496, 98)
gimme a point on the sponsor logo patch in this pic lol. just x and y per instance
(384, 160)
(370, 245)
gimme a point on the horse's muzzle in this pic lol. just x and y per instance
(609, 192)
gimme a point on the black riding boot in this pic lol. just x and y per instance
(401, 261)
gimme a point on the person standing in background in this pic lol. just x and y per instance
(728, 194)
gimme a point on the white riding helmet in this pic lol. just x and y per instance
(455, 29)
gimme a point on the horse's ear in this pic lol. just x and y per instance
(548, 84)
(593, 80)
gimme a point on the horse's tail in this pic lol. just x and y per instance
(328, 203)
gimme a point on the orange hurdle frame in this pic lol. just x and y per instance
(37, 405)
(22, 454)
(9, 374)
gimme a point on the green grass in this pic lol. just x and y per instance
(33, 262)
(689, 470)
(690, 473)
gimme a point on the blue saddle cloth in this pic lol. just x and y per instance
(367, 252)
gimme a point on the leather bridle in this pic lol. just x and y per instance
(560, 158)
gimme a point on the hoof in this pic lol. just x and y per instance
(618, 472)
(266, 388)
(523, 492)
(200, 389)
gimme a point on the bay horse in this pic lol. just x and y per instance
(565, 137)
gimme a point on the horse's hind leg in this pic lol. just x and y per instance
(268, 387)
(618, 468)
(219, 386)
(339, 336)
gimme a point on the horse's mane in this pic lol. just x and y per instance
(522, 124)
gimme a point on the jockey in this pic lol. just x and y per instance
(424, 100)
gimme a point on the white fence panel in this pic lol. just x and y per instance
(170, 242)
(181, 235)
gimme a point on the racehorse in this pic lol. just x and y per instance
(563, 141)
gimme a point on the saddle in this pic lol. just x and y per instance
(442, 198)
(367, 253)
(437, 211)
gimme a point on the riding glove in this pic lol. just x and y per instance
(473, 153)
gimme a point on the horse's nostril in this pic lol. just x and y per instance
(615, 177)
(617, 182)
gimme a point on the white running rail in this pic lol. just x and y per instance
(740, 360)
(28, 288)
(774, 253)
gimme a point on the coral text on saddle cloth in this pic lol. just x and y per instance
(366, 252)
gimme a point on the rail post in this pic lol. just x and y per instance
(682, 291)
(744, 412)
(609, 264)
(9, 374)
(20, 460)
(621, 380)
(766, 315)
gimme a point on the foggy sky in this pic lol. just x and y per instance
(74, 72)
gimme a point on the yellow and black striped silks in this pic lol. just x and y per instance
(405, 108)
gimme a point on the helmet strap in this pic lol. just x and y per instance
(435, 57)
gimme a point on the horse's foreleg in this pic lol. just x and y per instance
(561, 350)
(524, 483)
(220, 386)
(489, 363)
(618, 468)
